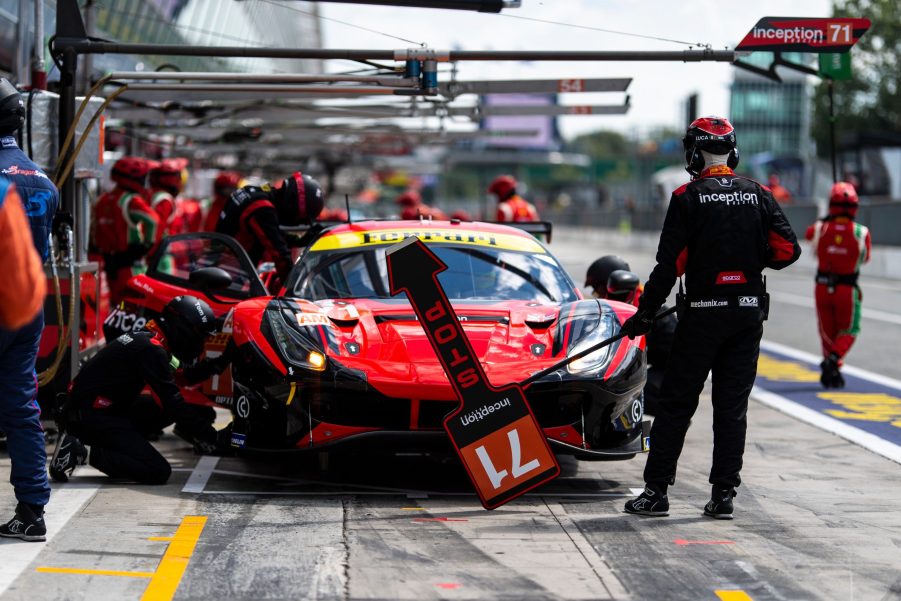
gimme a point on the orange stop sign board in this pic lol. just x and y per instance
(493, 429)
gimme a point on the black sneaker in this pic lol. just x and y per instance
(26, 524)
(652, 501)
(720, 505)
(68, 454)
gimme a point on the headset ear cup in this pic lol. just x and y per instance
(732, 161)
(695, 162)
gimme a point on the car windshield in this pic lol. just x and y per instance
(471, 274)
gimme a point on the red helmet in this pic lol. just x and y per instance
(461, 215)
(843, 199)
(167, 174)
(503, 186)
(413, 212)
(131, 173)
(226, 183)
(712, 134)
(410, 198)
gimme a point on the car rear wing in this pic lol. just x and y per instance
(536, 228)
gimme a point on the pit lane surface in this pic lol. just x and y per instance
(817, 517)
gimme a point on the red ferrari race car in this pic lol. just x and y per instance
(334, 358)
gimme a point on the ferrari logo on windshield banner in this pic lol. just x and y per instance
(493, 430)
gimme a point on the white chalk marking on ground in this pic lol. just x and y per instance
(364, 493)
(65, 501)
(608, 578)
(201, 475)
(859, 437)
(807, 301)
(775, 347)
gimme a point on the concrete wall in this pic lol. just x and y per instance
(886, 261)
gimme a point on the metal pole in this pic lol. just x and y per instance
(83, 46)
(66, 118)
(829, 82)
(38, 73)
(20, 66)
(87, 63)
(261, 78)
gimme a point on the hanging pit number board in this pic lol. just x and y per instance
(803, 34)
(493, 429)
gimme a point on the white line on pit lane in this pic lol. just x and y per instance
(375, 493)
(807, 301)
(65, 501)
(785, 405)
(201, 475)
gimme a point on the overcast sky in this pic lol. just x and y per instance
(658, 89)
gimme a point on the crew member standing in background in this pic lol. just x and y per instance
(720, 231)
(20, 414)
(124, 225)
(167, 179)
(511, 207)
(842, 247)
(611, 277)
(224, 186)
(253, 215)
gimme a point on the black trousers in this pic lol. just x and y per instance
(726, 342)
(118, 440)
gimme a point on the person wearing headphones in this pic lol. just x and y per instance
(721, 231)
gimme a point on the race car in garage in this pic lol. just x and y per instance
(334, 359)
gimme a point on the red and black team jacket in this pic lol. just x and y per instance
(114, 378)
(250, 216)
(720, 231)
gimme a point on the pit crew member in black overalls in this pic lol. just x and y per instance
(721, 230)
(105, 409)
(610, 277)
(253, 215)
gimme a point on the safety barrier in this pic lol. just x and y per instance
(883, 219)
(886, 261)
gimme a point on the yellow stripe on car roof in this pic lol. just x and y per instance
(347, 240)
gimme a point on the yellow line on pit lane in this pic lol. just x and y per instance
(733, 596)
(48, 570)
(172, 566)
(165, 580)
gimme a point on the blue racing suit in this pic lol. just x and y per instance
(19, 410)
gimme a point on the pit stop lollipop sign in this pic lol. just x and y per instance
(493, 429)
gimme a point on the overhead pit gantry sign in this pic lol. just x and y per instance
(800, 34)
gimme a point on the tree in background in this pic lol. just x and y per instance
(871, 100)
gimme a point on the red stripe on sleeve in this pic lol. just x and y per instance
(681, 262)
(782, 249)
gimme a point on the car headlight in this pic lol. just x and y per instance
(606, 327)
(296, 347)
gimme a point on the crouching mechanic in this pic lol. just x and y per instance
(720, 231)
(610, 277)
(105, 409)
(842, 247)
(253, 215)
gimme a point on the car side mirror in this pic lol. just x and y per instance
(210, 279)
(621, 284)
